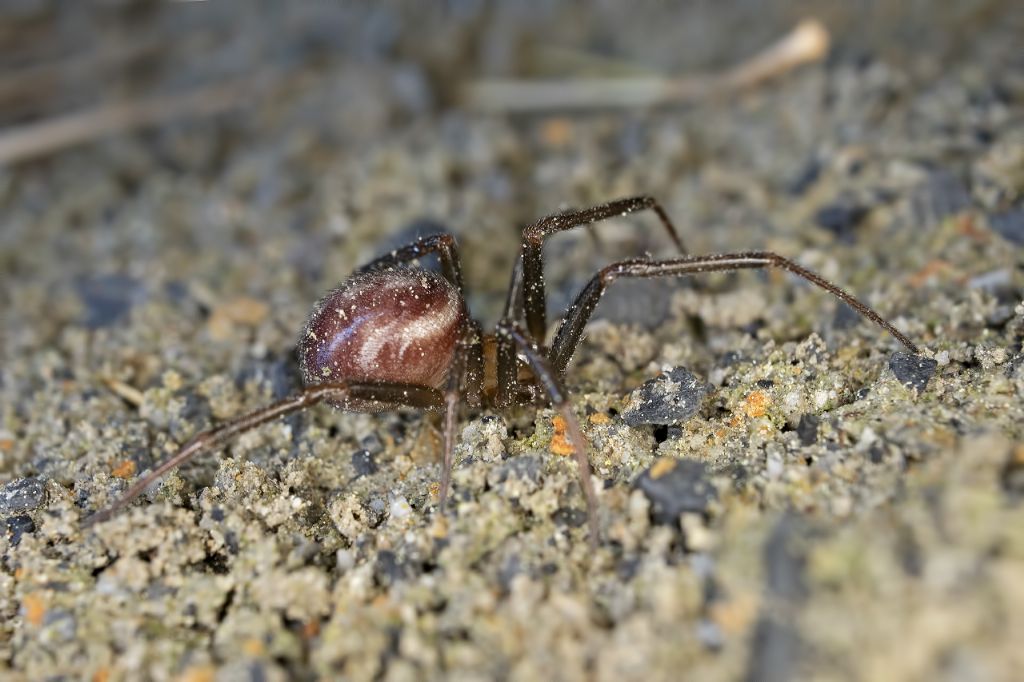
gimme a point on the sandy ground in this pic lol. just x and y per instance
(808, 503)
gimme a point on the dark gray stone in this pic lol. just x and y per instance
(913, 371)
(22, 495)
(807, 429)
(671, 398)
(805, 178)
(841, 218)
(388, 570)
(108, 298)
(566, 516)
(372, 444)
(18, 526)
(194, 415)
(683, 488)
(1010, 225)
(363, 463)
(280, 375)
(523, 467)
(845, 317)
(941, 195)
(776, 647)
(1012, 480)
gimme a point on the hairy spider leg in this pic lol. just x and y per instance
(393, 395)
(443, 245)
(530, 266)
(576, 316)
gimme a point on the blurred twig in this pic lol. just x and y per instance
(53, 134)
(808, 42)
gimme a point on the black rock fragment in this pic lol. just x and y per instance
(108, 298)
(194, 414)
(776, 648)
(18, 526)
(619, 303)
(941, 195)
(805, 178)
(22, 495)
(671, 398)
(1012, 477)
(388, 570)
(675, 487)
(807, 429)
(913, 371)
(524, 468)
(1009, 225)
(841, 219)
(566, 516)
(363, 463)
(512, 567)
(372, 443)
(281, 375)
(845, 317)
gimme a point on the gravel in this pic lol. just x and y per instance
(675, 487)
(913, 371)
(815, 515)
(671, 398)
(21, 495)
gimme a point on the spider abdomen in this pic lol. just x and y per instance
(399, 325)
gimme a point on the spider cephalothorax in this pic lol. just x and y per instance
(395, 336)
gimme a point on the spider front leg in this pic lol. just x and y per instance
(571, 330)
(527, 287)
(443, 245)
(549, 382)
(386, 395)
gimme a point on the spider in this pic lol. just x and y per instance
(393, 335)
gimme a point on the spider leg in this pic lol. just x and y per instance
(387, 394)
(443, 245)
(571, 330)
(465, 376)
(550, 383)
(532, 266)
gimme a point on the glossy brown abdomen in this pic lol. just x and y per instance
(399, 325)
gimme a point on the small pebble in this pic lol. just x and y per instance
(523, 467)
(363, 463)
(807, 429)
(841, 219)
(671, 398)
(1012, 477)
(805, 178)
(675, 486)
(280, 375)
(941, 195)
(776, 645)
(845, 317)
(913, 371)
(388, 570)
(372, 444)
(22, 495)
(573, 518)
(1010, 225)
(194, 413)
(108, 298)
(18, 526)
